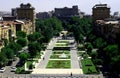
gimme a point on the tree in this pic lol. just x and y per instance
(94, 55)
(48, 34)
(5, 42)
(99, 43)
(111, 50)
(14, 46)
(21, 34)
(31, 37)
(48, 28)
(34, 37)
(22, 41)
(3, 59)
(113, 57)
(80, 27)
(89, 47)
(34, 48)
(24, 56)
(8, 52)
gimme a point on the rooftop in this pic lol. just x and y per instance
(101, 5)
(25, 6)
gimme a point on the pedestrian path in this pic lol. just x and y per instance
(57, 71)
(74, 60)
(41, 68)
(46, 57)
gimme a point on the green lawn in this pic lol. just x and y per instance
(30, 62)
(21, 70)
(61, 51)
(61, 44)
(56, 56)
(88, 66)
(63, 41)
(59, 64)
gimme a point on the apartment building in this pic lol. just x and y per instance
(100, 12)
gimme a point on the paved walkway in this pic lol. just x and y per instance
(57, 71)
(42, 71)
(46, 57)
(75, 69)
(74, 58)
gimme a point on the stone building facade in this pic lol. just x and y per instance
(100, 12)
(109, 29)
(25, 12)
(66, 12)
(9, 28)
(44, 15)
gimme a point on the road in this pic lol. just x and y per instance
(8, 69)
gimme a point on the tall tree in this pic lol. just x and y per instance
(3, 59)
(34, 48)
(21, 34)
(9, 53)
(22, 41)
(24, 56)
(14, 46)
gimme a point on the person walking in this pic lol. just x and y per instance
(71, 74)
(43, 58)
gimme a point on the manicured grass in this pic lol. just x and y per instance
(59, 64)
(61, 52)
(88, 66)
(56, 56)
(63, 41)
(21, 70)
(61, 44)
(29, 63)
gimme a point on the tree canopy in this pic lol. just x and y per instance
(22, 41)
(21, 34)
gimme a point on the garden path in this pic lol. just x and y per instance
(48, 52)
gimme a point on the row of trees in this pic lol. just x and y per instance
(7, 53)
(107, 54)
(10, 51)
(45, 30)
(48, 28)
(80, 27)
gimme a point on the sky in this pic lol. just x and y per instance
(48, 5)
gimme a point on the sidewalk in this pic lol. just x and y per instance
(43, 62)
(57, 71)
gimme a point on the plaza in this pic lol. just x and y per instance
(71, 59)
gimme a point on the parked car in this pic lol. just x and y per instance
(2, 70)
(13, 69)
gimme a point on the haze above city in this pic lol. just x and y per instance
(49, 5)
